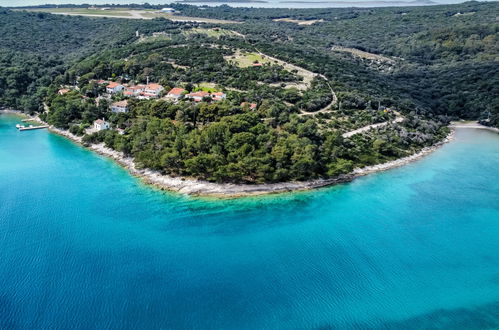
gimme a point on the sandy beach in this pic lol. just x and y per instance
(197, 187)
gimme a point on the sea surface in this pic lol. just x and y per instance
(85, 245)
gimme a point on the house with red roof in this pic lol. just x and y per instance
(218, 96)
(176, 93)
(133, 91)
(153, 90)
(198, 96)
(114, 87)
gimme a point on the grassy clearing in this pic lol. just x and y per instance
(207, 87)
(244, 59)
(214, 33)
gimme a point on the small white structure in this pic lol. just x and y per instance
(100, 124)
(114, 87)
(120, 106)
(168, 10)
(176, 93)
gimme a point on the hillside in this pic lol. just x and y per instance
(279, 96)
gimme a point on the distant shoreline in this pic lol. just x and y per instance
(201, 188)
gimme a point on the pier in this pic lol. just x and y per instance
(31, 127)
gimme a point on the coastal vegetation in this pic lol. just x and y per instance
(414, 70)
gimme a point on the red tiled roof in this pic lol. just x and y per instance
(113, 84)
(154, 86)
(176, 91)
(199, 94)
(137, 87)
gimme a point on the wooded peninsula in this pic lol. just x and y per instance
(254, 95)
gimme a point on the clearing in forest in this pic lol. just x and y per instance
(363, 54)
(246, 59)
(298, 21)
(127, 13)
(214, 33)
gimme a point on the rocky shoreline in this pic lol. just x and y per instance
(197, 187)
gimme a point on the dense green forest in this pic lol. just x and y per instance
(431, 64)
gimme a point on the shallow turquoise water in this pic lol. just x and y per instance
(84, 245)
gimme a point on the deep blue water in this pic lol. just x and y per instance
(85, 245)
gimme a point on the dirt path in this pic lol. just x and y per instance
(307, 75)
(398, 119)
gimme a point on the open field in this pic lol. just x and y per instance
(244, 59)
(298, 21)
(214, 33)
(127, 13)
(207, 87)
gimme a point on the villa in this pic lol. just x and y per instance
(133, 91)
(114, 87)
(219, 96)
(100, 124)
(198, 96)
(176, 93)
(152, 90)
(121, 106)
(63, 91)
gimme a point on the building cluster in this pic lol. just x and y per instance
(149, 91)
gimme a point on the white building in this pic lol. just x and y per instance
(152, 91)
(100, 124)
(133, 91)
(176, 93)
(121, 106)
(168, 10)
(114, 87)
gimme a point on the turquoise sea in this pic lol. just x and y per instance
(85, 245)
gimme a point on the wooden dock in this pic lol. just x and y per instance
(32, 128)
